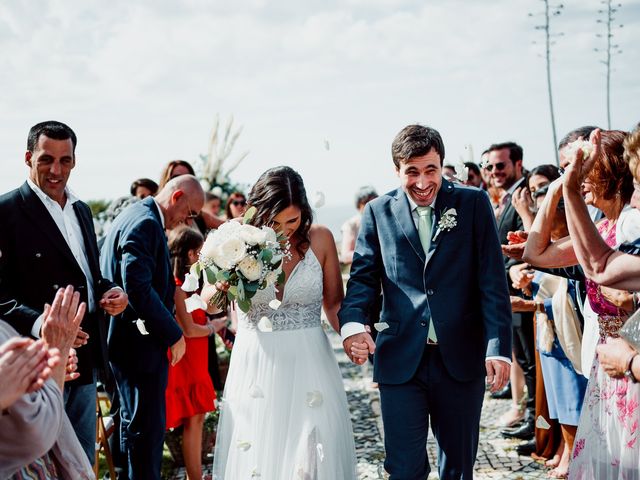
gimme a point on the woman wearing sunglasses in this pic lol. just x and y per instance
(236, 205)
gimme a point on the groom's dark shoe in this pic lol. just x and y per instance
(526, 431)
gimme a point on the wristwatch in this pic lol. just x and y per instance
(628, 373)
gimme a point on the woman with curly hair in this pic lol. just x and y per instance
(606, 443)
(284, 412)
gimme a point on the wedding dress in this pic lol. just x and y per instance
(284, 413)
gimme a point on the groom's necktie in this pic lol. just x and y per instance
(424, 232)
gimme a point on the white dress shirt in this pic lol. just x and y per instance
(67, 222)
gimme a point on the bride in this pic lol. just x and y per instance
(284, 412)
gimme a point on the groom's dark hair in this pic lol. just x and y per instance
(416, 141)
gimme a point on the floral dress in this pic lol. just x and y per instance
(607, 444)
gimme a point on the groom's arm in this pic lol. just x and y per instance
(364, 281)
(495, 304)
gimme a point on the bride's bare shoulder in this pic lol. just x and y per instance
(321, 238)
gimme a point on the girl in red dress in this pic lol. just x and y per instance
(190, 394)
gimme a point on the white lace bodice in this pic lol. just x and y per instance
(301, 303)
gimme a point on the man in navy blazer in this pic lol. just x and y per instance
(446, 317)
(136, 257)
(48, 241)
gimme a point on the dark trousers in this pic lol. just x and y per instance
(524, 350)
(80, 406)
(453, 409)
(142, 420)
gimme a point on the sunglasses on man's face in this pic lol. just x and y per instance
(498, 166)
(238, 203)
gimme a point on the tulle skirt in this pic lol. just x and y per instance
(607, 446)
(284, 412)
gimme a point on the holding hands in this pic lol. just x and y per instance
(359, 346)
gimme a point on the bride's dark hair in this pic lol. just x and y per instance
(275, 190)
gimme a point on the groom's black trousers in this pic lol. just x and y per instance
(453, 409)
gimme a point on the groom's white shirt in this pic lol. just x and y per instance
(353, 328)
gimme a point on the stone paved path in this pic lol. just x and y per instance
(497, 458)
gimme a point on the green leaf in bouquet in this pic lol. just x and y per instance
(266, 256)
(222, 276)
(249, 214)
(244, 305)
(233, 290)
(281, 278)
(231, 296)
(251, 287)
(211, 276)
(196, 269)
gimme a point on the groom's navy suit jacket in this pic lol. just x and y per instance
(136, 257)
(36, 261)
(460, 284)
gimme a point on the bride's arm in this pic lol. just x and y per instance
(333, 293)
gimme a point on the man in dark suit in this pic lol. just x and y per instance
(135, 256)
(48, 242)
(445, 322)
(505, 165)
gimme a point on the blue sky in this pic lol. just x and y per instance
(141, 82)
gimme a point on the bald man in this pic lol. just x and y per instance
(135, 256)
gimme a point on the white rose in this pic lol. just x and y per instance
(252, 235)
(226, 231)
(229, 253)
(209, 247)
(251, 268)
(270, 234)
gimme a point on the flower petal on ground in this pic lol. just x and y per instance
(542, 423)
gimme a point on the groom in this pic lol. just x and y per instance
(446, 319)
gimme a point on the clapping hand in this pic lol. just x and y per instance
(72, 366)
(522, 201)
(25, 365)
(579, 167)
(62, 319)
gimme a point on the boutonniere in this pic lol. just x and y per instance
(447, 221)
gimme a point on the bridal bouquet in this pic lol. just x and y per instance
(245, 257)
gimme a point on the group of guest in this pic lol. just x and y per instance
(569, 299)
(74, 315)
